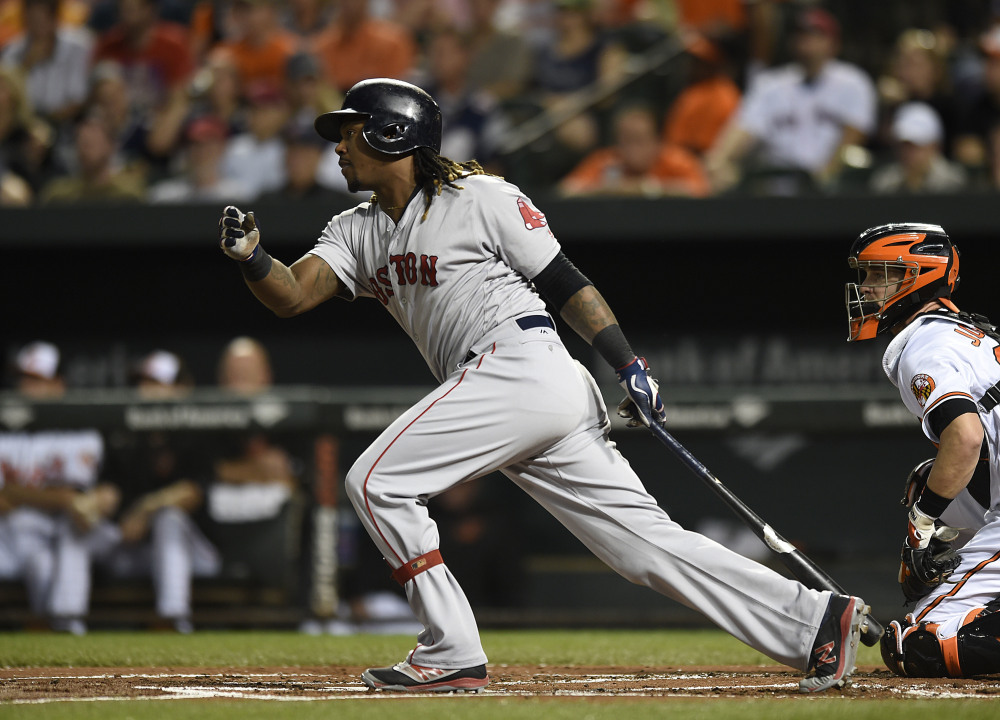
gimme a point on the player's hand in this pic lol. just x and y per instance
(238, 233)
(643, 405)
(923, 569)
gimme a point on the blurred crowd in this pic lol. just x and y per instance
(179, 101)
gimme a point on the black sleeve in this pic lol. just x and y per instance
(559, 281)
(942, 415)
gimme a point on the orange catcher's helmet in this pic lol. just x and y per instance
(901, 266)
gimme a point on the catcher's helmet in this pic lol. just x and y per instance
(913, 262)
(399, 117)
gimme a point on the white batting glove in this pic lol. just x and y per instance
(238, 233)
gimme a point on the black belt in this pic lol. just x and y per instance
(525, 323)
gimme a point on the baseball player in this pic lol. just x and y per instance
(54, 509)
(461, 260)
(946, 365)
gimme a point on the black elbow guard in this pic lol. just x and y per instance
(559, 281)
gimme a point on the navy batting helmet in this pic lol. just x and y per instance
(399, 117)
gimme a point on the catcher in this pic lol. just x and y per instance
(946, 365)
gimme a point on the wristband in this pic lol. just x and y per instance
(613, 347)
(257, 266)
(932, 504)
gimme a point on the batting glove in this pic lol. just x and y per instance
(643, 405)
(238, 233)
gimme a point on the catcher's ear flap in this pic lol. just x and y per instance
(916, 481)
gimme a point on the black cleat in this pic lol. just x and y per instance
(836, 646)
(404, 677)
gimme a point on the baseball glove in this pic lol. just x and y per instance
(923, 569)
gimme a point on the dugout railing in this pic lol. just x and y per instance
(734, 433)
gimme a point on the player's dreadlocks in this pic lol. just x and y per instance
(434, 171)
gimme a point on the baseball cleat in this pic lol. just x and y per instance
(836, 646)
(404, 677)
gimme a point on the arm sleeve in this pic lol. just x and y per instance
(559, 281)
(944, 412)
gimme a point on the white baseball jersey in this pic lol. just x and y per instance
(49, 553)
(446, 280)
(458, 281)
(52, 458)
(934, 360)
(801, 123)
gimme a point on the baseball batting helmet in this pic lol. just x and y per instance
(913, 262)
(399, 117)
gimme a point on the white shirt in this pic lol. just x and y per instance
(258, 165)
(63, 79)
(51, 458)
(936, 359)
(801, 123)
(452, 278)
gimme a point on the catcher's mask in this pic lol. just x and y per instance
(399, 117)
(901, 266)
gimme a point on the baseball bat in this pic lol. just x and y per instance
(801, 566)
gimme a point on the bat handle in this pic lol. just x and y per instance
(871, 631)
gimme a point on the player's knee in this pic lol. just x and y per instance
(979, 642)
(916, 651)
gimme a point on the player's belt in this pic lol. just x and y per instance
(525, 323)
(533, 321)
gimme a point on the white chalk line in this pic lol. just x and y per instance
(328, 692)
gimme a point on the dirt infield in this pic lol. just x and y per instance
(40, 685)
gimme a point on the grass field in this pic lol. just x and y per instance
(248, 650)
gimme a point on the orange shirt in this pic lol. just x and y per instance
(265, 62)
(676, 171)
(71, 12)
(707, 14)
(700, 112)
(375, 49)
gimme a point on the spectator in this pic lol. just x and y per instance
(255, 486)
(26, 141)
(72, 13)
(502, 62)
(309, 95)
(97, 177)
(306, 19)
(702, 109)
(157, 66)
(162, 476)
(466, 115)
(580, 55)
(637, 164)
(981, 112)
(259, 45)
(304, 150)
(109, 98)
(919, 166)
(357, 46)
(256, 158)
(245, 367)
(918, 72)
(56, 60)
(54, 506)
(201, 180)
(218, 91)
(800, 116)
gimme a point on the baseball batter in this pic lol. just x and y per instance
(462, 260)
(946, 365)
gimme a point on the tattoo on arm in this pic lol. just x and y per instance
(588, 313)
